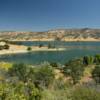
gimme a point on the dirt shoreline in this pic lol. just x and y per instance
(66, 40)
(16, 49)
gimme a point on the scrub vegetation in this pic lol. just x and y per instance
(78, 79)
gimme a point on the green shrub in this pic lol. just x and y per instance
(44, 75)
(19, 70)
(29, 48)
(54, 64)
(88, 60)
(74, 69)
(19, 91)
(1, 47)
(6, 46)
(64, 94)
(82, 93)
(60, 84)
(96, 74)
(97, 59)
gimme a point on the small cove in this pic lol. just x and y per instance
(73, 50)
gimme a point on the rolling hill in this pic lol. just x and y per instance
(85, 34)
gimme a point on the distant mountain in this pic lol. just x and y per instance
(85, 34)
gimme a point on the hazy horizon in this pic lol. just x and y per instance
(48, 29)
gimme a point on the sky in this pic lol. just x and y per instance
(42, 15)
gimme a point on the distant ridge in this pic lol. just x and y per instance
(84, 34)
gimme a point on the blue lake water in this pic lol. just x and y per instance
(73, 50)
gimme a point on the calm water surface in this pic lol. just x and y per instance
(73, 50)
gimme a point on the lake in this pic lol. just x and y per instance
(73, 50)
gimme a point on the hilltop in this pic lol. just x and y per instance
(85, 34)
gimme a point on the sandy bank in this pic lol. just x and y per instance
(81, 40)
(14, 49)
(65, 40)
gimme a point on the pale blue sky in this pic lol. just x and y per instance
(42, 15)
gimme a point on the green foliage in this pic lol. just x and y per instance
(97, 59)
(6, 46)
(96, 74)
(82, 93)
(44, 75)
(74, 69)
(29, 48)
(19, 91)
(48, 94)
(19, 70)
(24, 82)
(5, 65)
(88, 60)
(54, 64)
(60, 84)
(1, 47)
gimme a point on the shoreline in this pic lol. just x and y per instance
(16, 49)
(72, 40)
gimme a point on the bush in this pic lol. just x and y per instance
(41, 76)
(96, 74)
(44, 76)
(74, 69)
(19, 70)
(29, 48)
(48, 94)
(19, 91)
(82, 93)
(54, 64)
(1, 47)
(88, 60)
(6, 46)
(97, 59)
